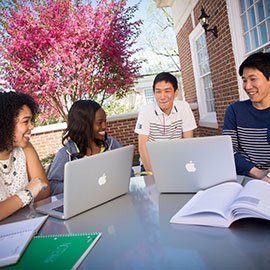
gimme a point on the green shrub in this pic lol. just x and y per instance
(48, 159)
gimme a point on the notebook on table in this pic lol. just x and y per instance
(15, 236)
(91, 181)
(191, 164)
(57, 251)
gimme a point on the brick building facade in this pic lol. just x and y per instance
(224, 53)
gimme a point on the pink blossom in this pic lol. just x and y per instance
(60, 52)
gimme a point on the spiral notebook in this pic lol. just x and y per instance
(57, 251)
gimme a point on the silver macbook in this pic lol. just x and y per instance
(91, 181)
(188, 165)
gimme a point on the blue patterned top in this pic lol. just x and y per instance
(249, 129)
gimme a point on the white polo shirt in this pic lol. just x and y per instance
(154, 122)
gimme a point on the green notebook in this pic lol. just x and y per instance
(56, 251)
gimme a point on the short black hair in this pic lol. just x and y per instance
(167, 77)
(10, 105)
(81, 117)
(260, 61)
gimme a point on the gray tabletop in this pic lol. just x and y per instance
(136, 234)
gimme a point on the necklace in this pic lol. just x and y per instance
(7, 167)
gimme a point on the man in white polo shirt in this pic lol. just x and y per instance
(166, 118)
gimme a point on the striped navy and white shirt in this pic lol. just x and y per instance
(250, 132)
(154, 122)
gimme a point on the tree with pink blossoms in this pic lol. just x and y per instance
(60, 52)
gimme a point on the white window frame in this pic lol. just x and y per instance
(238, 43)
(207, 119)
(150, 90)
(256, 26)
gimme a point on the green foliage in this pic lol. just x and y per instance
(157, 31)
(136, 160)
(48, 159)
(51, 119)
(113, 106)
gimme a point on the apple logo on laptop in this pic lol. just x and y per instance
(102, 179)
(190, 167)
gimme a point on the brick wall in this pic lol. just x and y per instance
(47, 142)
(197, 131)
(123, 131)
(221, 60)
(186, 62)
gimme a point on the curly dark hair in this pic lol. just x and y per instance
(10, 105)
(81, 117)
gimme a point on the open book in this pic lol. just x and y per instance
(221, 205)
(14, 238)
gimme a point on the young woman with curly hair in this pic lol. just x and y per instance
(22, 178)
(86, 135)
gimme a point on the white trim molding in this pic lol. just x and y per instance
(206, 119)
(238, 44)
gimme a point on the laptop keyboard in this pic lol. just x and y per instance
(59, 208)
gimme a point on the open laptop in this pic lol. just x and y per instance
(91, 181)
(188, 165)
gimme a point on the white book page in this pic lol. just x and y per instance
(252, 201)
(14, 237)
(205, 219)
(213, 200)
(12, 246)
(24, 225)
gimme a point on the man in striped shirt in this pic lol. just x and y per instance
(166, 118)
(248, 122)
